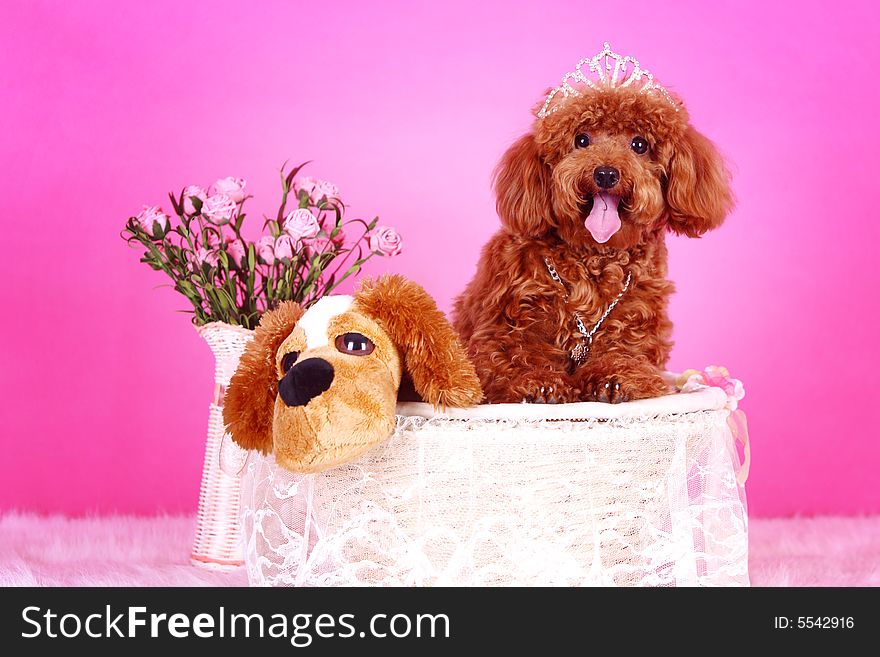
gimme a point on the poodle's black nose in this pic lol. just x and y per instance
(305, 381)
(606, 177)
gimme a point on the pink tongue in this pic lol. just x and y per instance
(603, 221)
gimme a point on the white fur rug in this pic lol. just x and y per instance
(127, 551)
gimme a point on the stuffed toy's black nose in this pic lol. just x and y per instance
(606, 177)
(305, 381)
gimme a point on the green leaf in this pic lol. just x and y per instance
(228, 301)
(153, 265)
(177, 204)
(304, 293)
(186, 287)
(293, 172)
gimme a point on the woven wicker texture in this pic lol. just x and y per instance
(218, 535)
(632, 500)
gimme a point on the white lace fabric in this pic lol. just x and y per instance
(644, 498)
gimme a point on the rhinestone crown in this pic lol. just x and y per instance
(605, 69)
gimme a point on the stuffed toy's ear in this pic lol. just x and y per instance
(698, 186)
(249, 405)
(441, 372)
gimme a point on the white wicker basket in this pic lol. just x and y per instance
(643, 493)
(217, 542)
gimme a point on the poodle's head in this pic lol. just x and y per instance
(611, 166)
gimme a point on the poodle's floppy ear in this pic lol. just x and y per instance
(523, 189)
(441, 372)
(249, 406)
(698, 186)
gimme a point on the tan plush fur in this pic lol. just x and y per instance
(354, 415)
(517, 322)
(250, 398)
(441, 371)
(357, 411)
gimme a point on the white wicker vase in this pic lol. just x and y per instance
(218, 535)
(643, 493)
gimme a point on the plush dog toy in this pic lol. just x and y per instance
(320, 387)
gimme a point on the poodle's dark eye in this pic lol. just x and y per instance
(354, 344)
(288, 361)
(639, 145)
(582, 141)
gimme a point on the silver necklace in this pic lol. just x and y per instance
(582, 349)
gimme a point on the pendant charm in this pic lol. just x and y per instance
(580, 352)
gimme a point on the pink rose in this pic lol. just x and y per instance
(236, 251)
(301, 224)
(325, 244)
(284, 247)
(265, 249)
(319, 245)
(188, 194)
(232, 187)
(153, 220)
(206, 257)
(218, 209)
(385, 241)
(317, 189)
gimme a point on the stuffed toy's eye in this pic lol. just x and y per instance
(639, 145)
(288, 361)
(582, 141)
(354, 344)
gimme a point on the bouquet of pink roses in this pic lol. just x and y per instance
(304, 252)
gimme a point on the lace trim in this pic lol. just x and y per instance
(622, 501)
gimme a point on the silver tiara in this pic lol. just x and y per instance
(607, 69)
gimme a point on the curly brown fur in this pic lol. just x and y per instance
(515, 320)
(249, 405)
(433, 356)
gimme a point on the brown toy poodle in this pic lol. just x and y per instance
(569, 302)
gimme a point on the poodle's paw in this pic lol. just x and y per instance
(551, 394)
(624, 387)
(551, 389)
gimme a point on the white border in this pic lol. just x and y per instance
(705, 399)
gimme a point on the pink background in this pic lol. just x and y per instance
(407, 107)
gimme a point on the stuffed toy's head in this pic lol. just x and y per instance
(320, 387)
